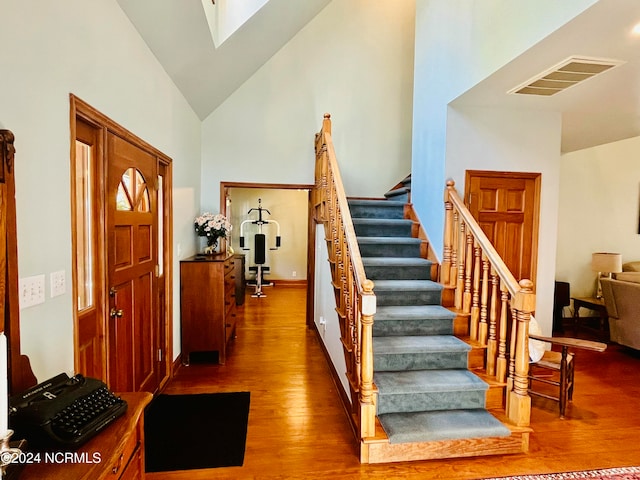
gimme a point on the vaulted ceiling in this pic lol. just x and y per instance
(178, 34)
(600, 110)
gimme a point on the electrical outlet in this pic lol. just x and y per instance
(31, 291)
(294, 274)
(57, 283)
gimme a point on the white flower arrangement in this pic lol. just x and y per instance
(213, 227)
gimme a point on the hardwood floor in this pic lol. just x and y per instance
(298, 428)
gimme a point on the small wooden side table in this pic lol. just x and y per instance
(596, 305)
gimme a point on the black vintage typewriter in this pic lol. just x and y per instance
(63, 411)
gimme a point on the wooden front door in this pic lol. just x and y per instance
(132, 233)
(506, 205)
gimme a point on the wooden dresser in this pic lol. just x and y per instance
(116, 453)
(207, 304)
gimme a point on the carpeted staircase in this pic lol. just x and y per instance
(425, 390)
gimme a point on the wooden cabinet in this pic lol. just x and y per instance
(208, 304)
(116, 453)
(238, 260)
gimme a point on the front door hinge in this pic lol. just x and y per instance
(159, 354)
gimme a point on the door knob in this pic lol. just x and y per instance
(115, 313)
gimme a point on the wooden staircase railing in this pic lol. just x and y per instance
(488, 292)
(355, 300)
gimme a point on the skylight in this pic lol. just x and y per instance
(227, 16)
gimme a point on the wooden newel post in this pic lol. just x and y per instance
(367, 401)
(519, 407)
(448, 235)
(326, 123)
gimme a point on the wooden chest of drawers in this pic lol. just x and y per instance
(207, 304)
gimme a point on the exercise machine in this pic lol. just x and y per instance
(260, 246)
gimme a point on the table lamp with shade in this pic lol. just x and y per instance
(605, 264)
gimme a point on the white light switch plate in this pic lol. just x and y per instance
(31, 291)
(57, 283)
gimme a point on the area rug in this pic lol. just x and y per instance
(623, 473)
(185, 432)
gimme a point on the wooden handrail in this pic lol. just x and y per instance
(480, 237)
(355, 300)
(486, 290)
(349, 230)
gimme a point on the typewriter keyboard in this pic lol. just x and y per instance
(87, 414)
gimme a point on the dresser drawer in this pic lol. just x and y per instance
(125, 457)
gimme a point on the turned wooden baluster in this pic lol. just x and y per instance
(461, 252)
(501, 364)
(492, 342)
(454, 249)
(475, 301)
(447, 249)
(468, 273)
(484, 327)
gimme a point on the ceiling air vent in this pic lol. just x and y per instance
(566, 74)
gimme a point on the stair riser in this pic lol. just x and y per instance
(366, 211)
(430, 401)
(419, 361)
(412, 327)
(398, 273)
(407, 297)
(382, 229)
(390, 249)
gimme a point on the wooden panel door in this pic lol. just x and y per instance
(506, 205)
(132, 260)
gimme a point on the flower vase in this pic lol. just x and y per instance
(209, 246)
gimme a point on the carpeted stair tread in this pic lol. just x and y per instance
(400, 262)
(382, 227)
(413, 312)
(389, 246)
(429, 390)
(404, 285)
(420, 352)
(376, 208)
(418, 381)
(407, 292)
(441, 425)
(409, 320)
(389, 240)
(397, 192)
(409, 345)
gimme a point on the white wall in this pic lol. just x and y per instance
(290, 208)
(599, 210)
(353, 60)
(459, 43)
(514, 141)
(92, 50)
(325, 310)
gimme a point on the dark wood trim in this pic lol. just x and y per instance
(79, 109)
(20, 373)
(311, 262)
(224, 191)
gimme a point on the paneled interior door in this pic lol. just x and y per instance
(132, 233)
(506, 205)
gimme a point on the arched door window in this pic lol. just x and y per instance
(133, 194)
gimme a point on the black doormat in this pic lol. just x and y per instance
(185, 432)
